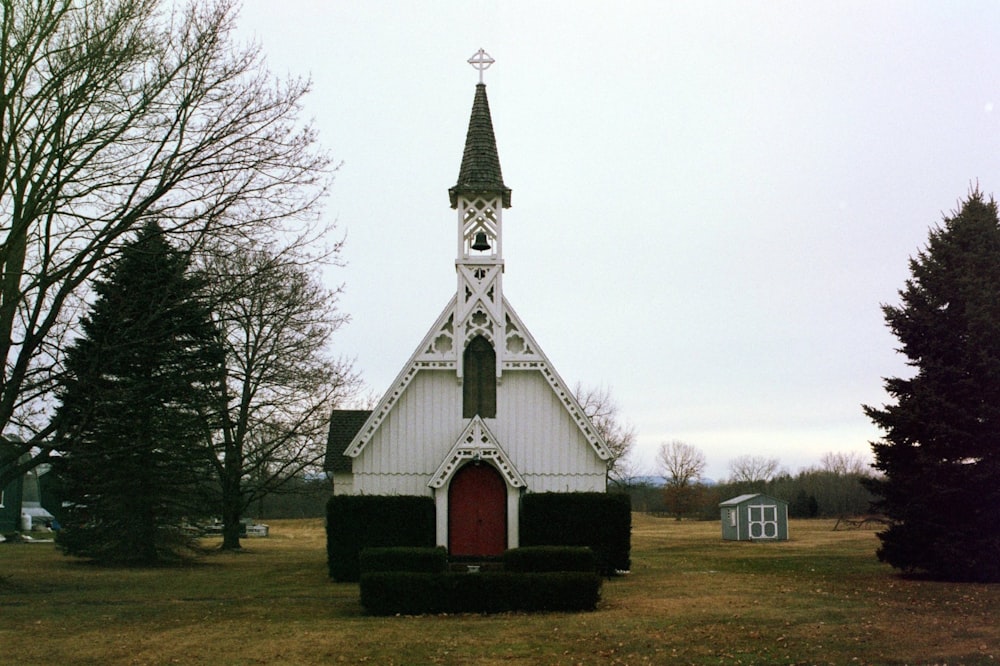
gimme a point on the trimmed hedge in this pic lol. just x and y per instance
(424, 560)
(393, 592)
(355, 522)
(540, 559)
(601, 521)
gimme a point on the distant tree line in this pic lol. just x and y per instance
(832, 490)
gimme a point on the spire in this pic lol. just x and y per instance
(480, 171)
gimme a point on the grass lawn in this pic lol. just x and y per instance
(820, 598)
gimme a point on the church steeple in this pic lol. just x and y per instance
(480, 196)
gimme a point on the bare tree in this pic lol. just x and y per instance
(753, 469)
(114, 112)
(603, 411)
(681, 463)
(682, 466)
(851, 463)
(280, 382)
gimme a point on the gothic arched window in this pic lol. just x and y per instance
(479, 389)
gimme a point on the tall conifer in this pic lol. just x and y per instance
(132, 404)
(940, 453)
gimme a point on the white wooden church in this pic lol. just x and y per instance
(477, 416)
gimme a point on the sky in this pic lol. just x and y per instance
(711, 200)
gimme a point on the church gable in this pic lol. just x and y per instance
(437, 352)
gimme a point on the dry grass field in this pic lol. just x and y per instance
(820, 598)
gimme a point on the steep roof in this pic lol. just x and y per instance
(344, 425)
(480, 171)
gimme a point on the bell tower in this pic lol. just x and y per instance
(479, 198)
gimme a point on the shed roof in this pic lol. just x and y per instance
(480, 170)
(739, 499)
(344, 425)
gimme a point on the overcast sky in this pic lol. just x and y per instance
(710, 199)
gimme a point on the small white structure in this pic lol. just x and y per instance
(477, 415)
(755, 517)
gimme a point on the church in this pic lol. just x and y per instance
(478, 416)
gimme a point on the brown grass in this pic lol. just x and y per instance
(821, 597)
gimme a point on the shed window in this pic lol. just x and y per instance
(479, 389)
(731, 513)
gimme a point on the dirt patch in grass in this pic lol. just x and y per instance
(821, 597)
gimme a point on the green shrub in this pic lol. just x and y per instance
(425, 560)
(393, 592)
(355, 522)
(600, 521)
(550, 558)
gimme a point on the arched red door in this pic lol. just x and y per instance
(477, 511)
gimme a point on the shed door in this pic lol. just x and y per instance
(477, 511)
(763, 522)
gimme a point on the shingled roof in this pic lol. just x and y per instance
(480, 171)
(344, 425)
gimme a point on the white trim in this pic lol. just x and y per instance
(476, 443)
(766, 520)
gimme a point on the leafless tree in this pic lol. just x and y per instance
(113, 112)
(601, 408)
(280, 382)
(753, 469)
(849, 463)
(681, 463)
(682, 466)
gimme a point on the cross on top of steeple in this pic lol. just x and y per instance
(481, 60)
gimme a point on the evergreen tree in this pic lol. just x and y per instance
(131, 416)
(940, 451)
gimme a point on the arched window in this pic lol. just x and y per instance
(479, 389)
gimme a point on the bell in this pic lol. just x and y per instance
(480, 243)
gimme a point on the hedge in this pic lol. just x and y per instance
(600, 521)
(355, 522)
(407, 593)
(539, 559)
(424, 560)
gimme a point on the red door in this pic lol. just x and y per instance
(477, 511)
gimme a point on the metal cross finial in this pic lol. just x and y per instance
(481, 60)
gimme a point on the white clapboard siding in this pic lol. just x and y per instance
(393, 484)
(561, 483)
(538, 433)
(418, 433)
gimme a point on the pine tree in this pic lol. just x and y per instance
(940, 452)
(131, 418)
